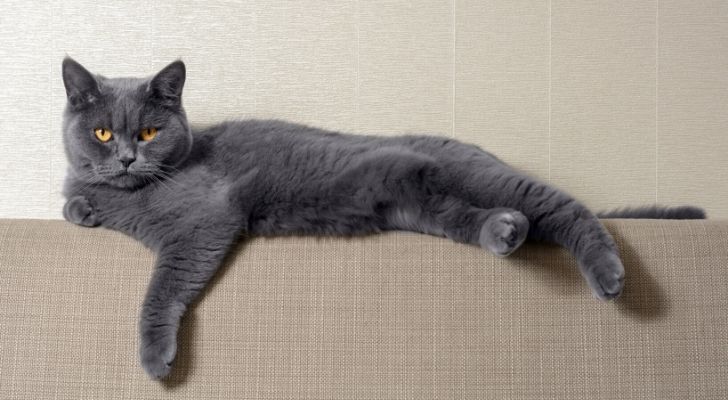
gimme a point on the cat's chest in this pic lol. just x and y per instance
(167, 207)
(191, 197)
(196, 194)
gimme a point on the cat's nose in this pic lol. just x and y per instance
(126, 160)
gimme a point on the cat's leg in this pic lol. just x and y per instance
(409, 191)
(486, 182)
(558, 218)
(182, 270)
(499, 230)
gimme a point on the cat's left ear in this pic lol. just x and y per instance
(166, 87)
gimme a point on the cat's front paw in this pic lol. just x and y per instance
(605, 274)
(79, 211)
(157, 351)
(504, 232)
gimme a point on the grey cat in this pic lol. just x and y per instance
(137, 167)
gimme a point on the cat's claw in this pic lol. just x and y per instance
(504, 232)
(157, 353)
(605, 274)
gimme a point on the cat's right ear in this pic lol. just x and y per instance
(82, 89)
(165, 88)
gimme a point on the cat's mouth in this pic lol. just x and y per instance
(121, 173)
(124, 172)
(134, 176)
(125, 178)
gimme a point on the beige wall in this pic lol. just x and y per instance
(618, 102)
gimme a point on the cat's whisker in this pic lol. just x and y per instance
(169, 177)
(152, 205)
(161, 182)
(94, 180)
(85, 175)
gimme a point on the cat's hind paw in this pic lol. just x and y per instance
(504, 232)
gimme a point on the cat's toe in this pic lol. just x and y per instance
(605, 274)
(89, 218)
(504, 232)
(157, 356)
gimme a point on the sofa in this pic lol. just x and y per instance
(396, 315)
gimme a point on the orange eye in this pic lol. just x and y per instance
(103, 134)
(148, 134)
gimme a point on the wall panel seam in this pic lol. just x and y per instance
(357, 87)
(49, 117)
(657, 99)
(549, 102)
(454, 59)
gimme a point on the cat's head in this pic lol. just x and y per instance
(125, 132)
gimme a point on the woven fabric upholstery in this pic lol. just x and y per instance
(398, 315)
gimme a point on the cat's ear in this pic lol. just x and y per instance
(166, 87)
(82, 89)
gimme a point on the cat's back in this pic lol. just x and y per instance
(274, 133)
(295, 152)
(278, 144)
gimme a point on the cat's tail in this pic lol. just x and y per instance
(655, 212)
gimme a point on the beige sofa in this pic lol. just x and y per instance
(398, 315)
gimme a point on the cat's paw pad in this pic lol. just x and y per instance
(157, 353)
(504, 232)
(79, 211)
(605, 274)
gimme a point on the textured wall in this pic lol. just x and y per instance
(618, 102)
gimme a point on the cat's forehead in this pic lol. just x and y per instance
(124, 88)
(124, 103)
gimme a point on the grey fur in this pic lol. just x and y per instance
(190, 196)
(655, 212)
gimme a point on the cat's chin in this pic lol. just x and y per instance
(128, 181)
